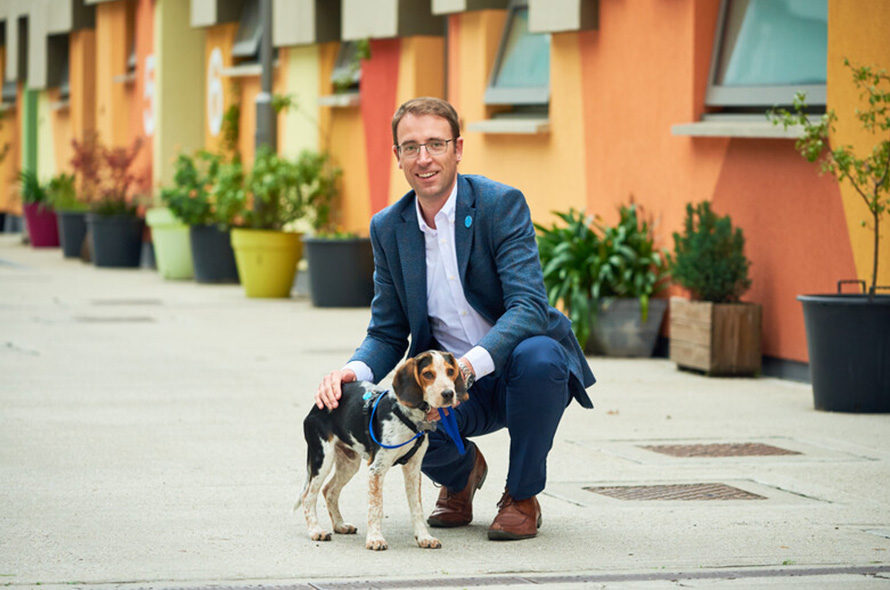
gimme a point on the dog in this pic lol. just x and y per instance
(379, 426)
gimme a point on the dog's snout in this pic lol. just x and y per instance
(448, 395)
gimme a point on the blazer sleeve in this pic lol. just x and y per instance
(386, 339)
(518, 282)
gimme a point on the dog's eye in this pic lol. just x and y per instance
(450, 372)
(429, 375)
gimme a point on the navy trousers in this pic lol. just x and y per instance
(527, 398)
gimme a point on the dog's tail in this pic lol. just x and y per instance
(301, 496)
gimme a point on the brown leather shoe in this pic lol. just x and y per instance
(456, 508)
(516, 519)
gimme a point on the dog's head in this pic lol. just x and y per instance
(432, 378)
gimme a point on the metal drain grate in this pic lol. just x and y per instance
(113, 320)
(690, 491)
(747, 449)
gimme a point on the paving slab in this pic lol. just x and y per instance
(150, 437)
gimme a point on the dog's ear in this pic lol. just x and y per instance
(460, 388)
(406, 386)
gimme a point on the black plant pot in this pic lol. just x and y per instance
(72, 231)
(341, 271)
(848, 339)
(115, 240)
(212, 255)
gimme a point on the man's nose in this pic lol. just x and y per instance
(424, 154)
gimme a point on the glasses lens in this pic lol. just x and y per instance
(436, 147)
(410, 150)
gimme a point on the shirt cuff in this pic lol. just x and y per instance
(362, 371)
(480, 359)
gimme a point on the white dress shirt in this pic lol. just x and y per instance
(453, 321)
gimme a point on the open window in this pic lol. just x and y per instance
(520, 78)
(346, 77)
(765, 51)
(246, 47)
(57, 72)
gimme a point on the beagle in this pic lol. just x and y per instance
(385, 428)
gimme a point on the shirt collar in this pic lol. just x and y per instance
(447, 210)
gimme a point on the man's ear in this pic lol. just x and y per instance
(395, 152)
(405, 385)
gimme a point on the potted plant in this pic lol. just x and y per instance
(193, 201)
(604, 278)
(114, 225)
(848, 335)
(40, 216)
(70, 213)
(714, 332)
(341, 264)
(270, 199)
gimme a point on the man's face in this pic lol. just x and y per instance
(431, 176)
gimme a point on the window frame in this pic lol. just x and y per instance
(752, 96)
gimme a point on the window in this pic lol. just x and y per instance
(246, 47)
(767, 50)
(347, 69)
(521, 73)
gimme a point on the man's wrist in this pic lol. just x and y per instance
(467, 373)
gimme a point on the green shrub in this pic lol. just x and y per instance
(709, 258)
(32, 191)
(62, 194)
(586, 260)
(190, 198)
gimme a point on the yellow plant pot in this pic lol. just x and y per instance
(267, 260)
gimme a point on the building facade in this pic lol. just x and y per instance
(578, 103)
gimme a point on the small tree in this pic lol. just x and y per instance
(867, 175)
(709, 256)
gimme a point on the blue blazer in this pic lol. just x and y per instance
(500, 270)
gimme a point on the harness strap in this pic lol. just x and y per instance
(370, 407)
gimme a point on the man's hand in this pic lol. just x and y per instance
(329, 391)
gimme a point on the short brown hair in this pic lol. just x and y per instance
(426, 105)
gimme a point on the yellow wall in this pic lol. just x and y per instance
(179, 87)
(298, 128)
(858, 31)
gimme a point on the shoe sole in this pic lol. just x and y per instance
(444, 524)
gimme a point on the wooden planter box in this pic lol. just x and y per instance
(717, 338)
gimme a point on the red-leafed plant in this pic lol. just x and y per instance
(105, 175)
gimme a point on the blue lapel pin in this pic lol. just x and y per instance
(468, 221)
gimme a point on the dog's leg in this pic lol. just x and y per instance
(411, 472)
(321, 459)
(374, 539)
(346, 464)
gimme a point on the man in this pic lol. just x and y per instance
(457, 269)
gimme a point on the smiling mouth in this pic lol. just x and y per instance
(427, 175)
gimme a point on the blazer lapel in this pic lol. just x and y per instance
(464, 220)
(412, 254)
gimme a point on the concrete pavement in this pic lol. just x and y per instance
(150, 437)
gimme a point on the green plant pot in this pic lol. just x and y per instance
(267, 260)
(173, 250)
(341, 271)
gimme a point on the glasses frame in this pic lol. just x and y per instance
(424, 146)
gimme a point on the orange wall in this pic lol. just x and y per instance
(9, 166)
(114, 99)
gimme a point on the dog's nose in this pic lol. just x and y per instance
(447, 395)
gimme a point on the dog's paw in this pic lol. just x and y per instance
(378, 544)
(319, 535)
(345, 529)
(429, 543)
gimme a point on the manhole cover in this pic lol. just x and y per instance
(112, 320)
(720, 450)
(127, 302)
(690, 491)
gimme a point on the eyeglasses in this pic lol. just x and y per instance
(436, 147)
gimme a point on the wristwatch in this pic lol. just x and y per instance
(467, 373)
